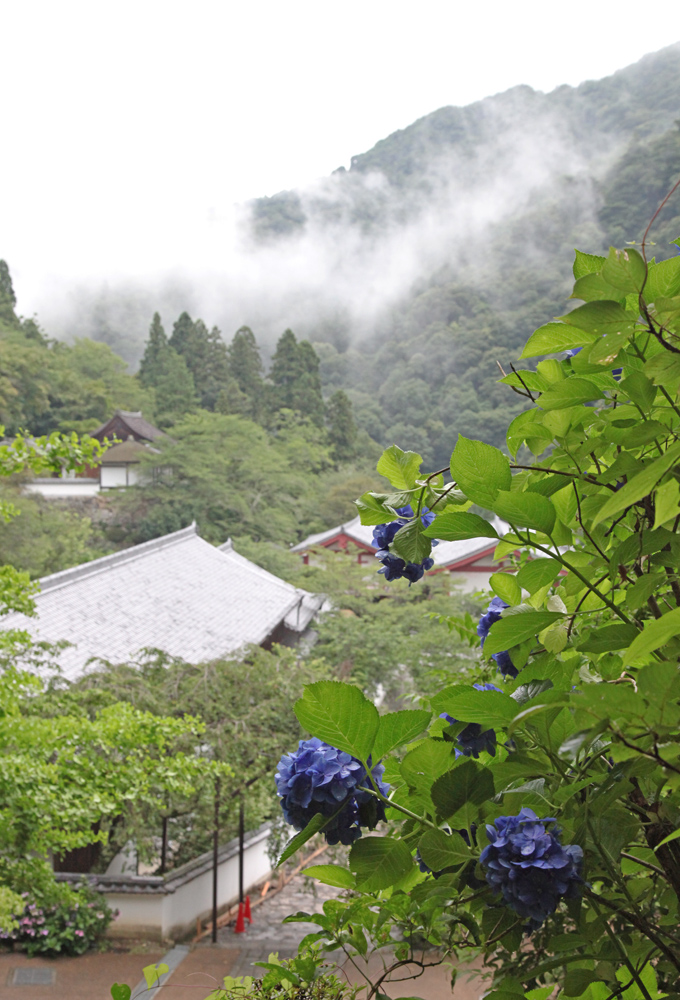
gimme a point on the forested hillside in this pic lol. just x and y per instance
(405, 279)
(505, 188)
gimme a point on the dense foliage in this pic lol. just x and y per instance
(69, 925)
(573, 888)
(242, 705)
(65, 777)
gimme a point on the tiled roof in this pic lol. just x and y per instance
(127, 452)
(134, 422)
(177, 593)
(445, 554)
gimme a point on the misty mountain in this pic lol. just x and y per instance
(435, 254)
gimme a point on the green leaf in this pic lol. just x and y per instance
(120, 991)
(525, 510)
(506, 586)
(577, 981)
(454, 526)
(593, 288)
(340, 715)
(640, 389)
(491, 709)
(153, 973)
(656, 634)
(606, 350)
(600, 318)
(625, 270)
(371, 510)
(639, 486)
(426, 762)
(555, 637)
(400, 467)
(316, 823)
(331, 875)
(538, 573)
(524, 427)
(397, 728)
(664, 369)
(603, 640)
(440, 850)
(572, 391)
(508, 632)
(643, 588)
(554, 337)
(467, 784)
(666, 840)
(480, 470)
(379, 862)
(666, 502)
(411, 543)
(525, 378)
(663, 280)
(587, 263)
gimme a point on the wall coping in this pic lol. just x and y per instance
(172, 880)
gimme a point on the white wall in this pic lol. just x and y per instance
(166, 907)
(112, 476)
(58, 488)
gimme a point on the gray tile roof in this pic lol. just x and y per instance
(177, 593)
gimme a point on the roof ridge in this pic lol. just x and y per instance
(67, 576)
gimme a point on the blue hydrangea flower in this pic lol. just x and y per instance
(505, 664)
(471, 741)
(393, 567)
(491, 615)
(318, 778)
(526, 863)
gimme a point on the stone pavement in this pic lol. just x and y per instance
(204, 967)
(87, 977)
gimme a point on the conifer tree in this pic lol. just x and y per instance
(155, 352)
(183, 334)
(246, 369)
(245, 363)
(215, 375)
(287, 367)
(8, 299)
(342, 431)
(175, 390)
(296, 379)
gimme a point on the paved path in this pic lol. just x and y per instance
(87, 977)
(90, 976)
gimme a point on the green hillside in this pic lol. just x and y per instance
(428, 370)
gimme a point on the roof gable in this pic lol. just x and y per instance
(128, 423)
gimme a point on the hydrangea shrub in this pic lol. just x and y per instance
(564, 742)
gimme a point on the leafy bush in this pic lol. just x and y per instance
(574, 888)
(69, 925)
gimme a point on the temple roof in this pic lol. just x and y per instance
(125, 423)
(446, 555)
(177, 593)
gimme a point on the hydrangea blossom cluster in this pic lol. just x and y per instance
(318, 778)
(491, 615)
(526, 863)
(393, 566)
(471, 741)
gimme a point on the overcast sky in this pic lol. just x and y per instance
(131, 128)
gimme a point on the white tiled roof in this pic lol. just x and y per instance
(443, 554)
(177, 593)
